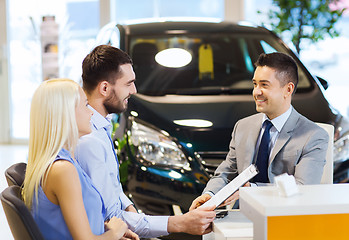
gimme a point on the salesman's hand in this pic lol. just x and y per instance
(199, 201)
(233, 197)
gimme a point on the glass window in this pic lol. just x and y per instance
(137, 9)
(77, 31)
(327, 58)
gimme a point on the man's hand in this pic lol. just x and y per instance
(199, 201)
(196, 222)
(131, 208)
(233, 197)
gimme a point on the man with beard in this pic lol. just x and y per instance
(109, 81)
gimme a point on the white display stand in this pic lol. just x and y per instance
(317, 212)
(235, 226)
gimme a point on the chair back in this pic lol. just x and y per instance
(327, 176)
(15, 174)
(19, 218)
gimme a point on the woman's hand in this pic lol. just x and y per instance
(130, 235)
(117, 226)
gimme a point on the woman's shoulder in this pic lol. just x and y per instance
(62, 168)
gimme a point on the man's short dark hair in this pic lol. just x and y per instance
(102, 64)
(285, 66)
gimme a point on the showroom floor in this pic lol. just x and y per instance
(9, 154)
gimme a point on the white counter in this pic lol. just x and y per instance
(317, 212)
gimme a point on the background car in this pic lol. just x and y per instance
(194, 83)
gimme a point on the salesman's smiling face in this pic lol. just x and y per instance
(270, 97)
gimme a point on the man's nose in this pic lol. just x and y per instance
(257, 91)
(134, 89)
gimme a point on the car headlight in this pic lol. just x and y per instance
(156, 147)
(341, 149)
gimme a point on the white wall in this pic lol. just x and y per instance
(4, 83)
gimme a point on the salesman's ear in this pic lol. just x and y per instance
(103, 88)
(289, 89)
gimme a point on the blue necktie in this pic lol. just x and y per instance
(263, 155)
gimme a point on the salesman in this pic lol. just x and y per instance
(277, 139)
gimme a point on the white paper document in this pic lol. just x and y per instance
(231, 187)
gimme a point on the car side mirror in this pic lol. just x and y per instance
(323, 82)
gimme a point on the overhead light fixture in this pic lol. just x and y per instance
(193, 123)
(173, 57)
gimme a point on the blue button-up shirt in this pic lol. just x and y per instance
(95, 153)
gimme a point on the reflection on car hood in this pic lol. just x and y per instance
(222, 111)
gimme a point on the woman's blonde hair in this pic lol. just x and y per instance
(52, 127)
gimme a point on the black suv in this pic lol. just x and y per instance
(194, 83)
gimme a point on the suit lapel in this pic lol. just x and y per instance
(251, 138)
(285, 134)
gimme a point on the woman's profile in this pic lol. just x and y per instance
(60, 195)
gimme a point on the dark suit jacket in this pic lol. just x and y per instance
(299, 150)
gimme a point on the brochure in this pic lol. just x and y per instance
(231, 187)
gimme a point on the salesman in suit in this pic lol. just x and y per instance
(277, 139)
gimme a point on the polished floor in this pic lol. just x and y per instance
(9, 154)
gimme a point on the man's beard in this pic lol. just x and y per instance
(113, 105)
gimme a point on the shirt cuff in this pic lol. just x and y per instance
(209, 193)
(144, 225)
(125, 201)
(158, 225)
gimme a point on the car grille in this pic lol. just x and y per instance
(211, 160)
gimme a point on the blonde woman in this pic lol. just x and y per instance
(62, 198)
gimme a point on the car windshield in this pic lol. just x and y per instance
(201, 65)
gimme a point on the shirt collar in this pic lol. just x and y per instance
(98, 121)
(279, 121)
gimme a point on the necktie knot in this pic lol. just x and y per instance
(267, 125)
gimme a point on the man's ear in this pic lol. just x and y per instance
(289, 89)
(103, 88)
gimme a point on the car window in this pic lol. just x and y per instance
(215, 64)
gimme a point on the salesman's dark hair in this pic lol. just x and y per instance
(102, 64)
(285, 66)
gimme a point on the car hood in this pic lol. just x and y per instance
(223, 111)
